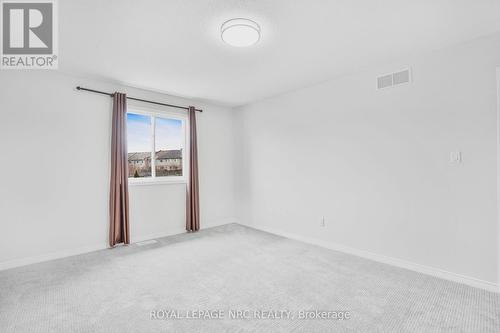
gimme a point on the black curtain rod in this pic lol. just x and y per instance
(136, 99)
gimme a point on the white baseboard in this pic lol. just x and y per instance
(91, 248)
(440, 273)
(436, 272)
(50, 256)
(76, 251)
(156, 235)
(211, 224)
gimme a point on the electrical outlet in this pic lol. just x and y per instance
(456, 157)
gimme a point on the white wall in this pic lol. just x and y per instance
(54, 148)
(376, 164)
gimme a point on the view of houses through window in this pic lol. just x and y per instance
(164, 136)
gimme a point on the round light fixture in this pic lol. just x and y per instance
(240, 32)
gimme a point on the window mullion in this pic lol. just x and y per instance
(153, 153)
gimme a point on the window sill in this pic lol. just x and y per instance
(142, 182)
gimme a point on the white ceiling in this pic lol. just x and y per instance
(174, 46)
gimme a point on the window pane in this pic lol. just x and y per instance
(169, 145)
(139, 136)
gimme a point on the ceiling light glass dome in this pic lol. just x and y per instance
(240, 32)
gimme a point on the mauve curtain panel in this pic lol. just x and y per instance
(193, 196)
(118, 197)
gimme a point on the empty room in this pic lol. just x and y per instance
(249, 166)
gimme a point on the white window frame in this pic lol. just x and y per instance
(185, 163)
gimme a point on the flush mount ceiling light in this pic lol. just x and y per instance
(240, 32)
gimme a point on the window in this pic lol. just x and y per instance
(156, 147)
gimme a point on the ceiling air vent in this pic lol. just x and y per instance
(393, 79)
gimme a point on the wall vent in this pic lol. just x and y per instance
(147, 242)
(393, 79)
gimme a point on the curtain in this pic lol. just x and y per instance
(193, 196)
(118, 198)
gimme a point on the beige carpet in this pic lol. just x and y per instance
(235, 268)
